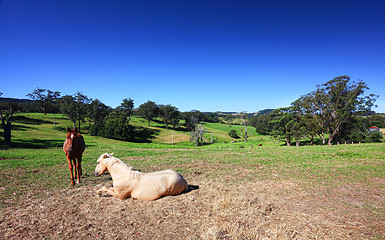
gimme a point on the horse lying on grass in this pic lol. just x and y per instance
(137, 185)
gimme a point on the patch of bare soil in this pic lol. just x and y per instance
(253, 210)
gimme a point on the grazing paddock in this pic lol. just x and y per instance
(320, 192)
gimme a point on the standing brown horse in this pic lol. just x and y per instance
(74, 147)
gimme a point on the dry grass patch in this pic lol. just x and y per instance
(253, 210)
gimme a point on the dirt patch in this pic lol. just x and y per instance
(215, 210)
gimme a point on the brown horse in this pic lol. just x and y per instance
(74, 147)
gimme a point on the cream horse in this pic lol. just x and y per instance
(137, 185)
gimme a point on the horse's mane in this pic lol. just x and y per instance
(120, 163)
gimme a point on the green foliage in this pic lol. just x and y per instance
(149, 111)
(98, 111)
(45, 98)
(75, 107)
(233, 134)
(170, 115)
(335, 103)
(374, 136)
(125, 108)
(192, 118)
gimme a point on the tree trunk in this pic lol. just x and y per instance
(7, 133)
(7, 127)
(287, 141)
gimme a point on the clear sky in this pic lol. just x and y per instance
(209, 55)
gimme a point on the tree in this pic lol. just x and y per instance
(334, 103)
(44, 97)
(229, 118)
(149, 111)
(125, 108)
(169, 114)
(262, 124)
(98, 112)
(75, 107)
(192, 119)
(6, 121)
(284, 124)
(244, 118)
(233, 133)
(197, 135)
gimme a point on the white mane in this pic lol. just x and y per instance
(120, 164)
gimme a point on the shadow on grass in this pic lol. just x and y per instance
(144, 135)
(27, 120)
(33, 143)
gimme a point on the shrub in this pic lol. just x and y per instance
(233, 134)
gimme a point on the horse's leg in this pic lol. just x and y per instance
(79, 168)
(70, 168)
(112, 192)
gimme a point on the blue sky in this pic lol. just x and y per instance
(208, 55)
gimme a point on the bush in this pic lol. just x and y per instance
(115, 128)
(233, 134)
(374, 137)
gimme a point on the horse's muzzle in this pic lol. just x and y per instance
(96, 173)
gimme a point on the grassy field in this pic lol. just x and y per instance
(346, 177)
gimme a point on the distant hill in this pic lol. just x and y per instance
(261, 112)
(14, 100)
(265, 112)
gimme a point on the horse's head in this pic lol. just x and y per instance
(71, 133)
(101, 166)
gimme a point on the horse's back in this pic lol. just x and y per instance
(75, 147)
(157, 184)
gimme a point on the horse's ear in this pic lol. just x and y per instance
(76, 130)
(68, 129)
(111, 154)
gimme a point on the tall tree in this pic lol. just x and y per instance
(197, 135)
(334, 103)
(229, 118)
(284, 122)
(169, 114)
(125, 108)
(98, 112)
(149, 111)
(344, 101)
(6, 122)
(192, 119)
(44, 97)
(244, 119)
(75, 107)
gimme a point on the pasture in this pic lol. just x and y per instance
(272, 192)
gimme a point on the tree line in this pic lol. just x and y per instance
(106, 121)
(335, 112)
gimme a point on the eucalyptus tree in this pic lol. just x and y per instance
(169, 114)
(98, 112)
(335, 103)
(75, 107)
(6, 122)
(125, 109)
(196, 136)
(149, 111)
(44, 97)
(192, 119)
(287, 125)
